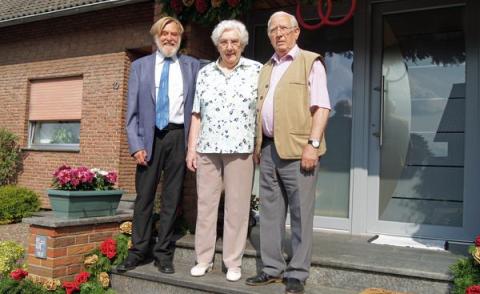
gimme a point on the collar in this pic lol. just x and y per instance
(289, 56)
(159, 57)
(241, 62)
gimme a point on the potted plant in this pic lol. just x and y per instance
(81, 192)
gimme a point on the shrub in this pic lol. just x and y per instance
(466, 272)
(10, 158)
(10, 253)
(16, 203)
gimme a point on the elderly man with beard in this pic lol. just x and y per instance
(160, 98)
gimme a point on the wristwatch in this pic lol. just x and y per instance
(314, 142)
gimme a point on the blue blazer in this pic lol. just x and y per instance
(140, 118)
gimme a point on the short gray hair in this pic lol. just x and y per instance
(228, 25)
(293, 20)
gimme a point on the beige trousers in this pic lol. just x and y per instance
(237, 180)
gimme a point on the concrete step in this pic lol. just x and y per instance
(147, 279)
(349, 262)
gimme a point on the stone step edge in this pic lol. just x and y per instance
(350, 266)
(205, 285)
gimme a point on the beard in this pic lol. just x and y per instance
(167, 52)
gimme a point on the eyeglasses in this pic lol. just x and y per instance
(281, 30)
(224, 43)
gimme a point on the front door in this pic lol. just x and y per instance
(424, 120)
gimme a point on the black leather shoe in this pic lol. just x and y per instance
(294, 286)
(127, 265)
(164, 267)
(262, 279)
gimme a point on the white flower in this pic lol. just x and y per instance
(103, 173)
(95, 170)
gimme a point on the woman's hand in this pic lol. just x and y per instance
(191, 160)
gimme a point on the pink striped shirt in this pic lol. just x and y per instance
(317, 82)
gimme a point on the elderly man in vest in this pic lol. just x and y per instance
(292, 113)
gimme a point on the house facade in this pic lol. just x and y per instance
(403, 79)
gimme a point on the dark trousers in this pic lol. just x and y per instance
(168, 157)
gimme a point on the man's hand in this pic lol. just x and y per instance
(256, 158)
(191, 160)
(309, 158)
(140, 157)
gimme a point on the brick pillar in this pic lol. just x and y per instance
(67, 242)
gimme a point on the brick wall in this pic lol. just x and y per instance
(97, 46)
(66, 249)
(92, 45)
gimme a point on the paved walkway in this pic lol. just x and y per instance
(16, 232)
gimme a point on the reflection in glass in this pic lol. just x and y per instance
(421, 172)
(333, 186)
(55, 133)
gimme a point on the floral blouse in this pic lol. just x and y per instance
(226, 104)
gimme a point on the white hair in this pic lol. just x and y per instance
(228, 25)
(293, 20)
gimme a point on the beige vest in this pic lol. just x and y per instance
(291, 118)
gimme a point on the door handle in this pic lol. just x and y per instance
(381, 89)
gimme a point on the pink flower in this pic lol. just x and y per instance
(18, 274)
(111, 177)
(201, 6)
(477, 241)
(233, 3)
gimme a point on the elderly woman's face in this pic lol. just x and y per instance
(230, 48)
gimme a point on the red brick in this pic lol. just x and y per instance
(68, 260)
(56, 252)
(74, 269)
(96, 237)
(80, 249)
(81, 239)
(60, 242)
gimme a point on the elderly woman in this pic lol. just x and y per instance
(220, 147)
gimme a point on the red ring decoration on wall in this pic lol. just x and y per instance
(325, 17)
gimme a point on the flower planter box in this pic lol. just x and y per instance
(81, 204)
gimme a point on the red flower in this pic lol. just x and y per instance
(475, 289)
(109, 248)
(477, 241)
(233, 3)
(201, 6)
(176, 5)
(18, 274)
(71, 287)
(82, 277)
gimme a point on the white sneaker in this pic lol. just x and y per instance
(201, 269)
(234, 274)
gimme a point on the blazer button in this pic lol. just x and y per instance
(261, 97)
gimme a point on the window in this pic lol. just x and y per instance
(55, 113)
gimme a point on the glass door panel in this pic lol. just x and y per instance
(421, 163)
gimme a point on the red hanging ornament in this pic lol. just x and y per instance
(325, 17)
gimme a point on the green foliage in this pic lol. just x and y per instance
(10, 253)
(122, 248)
(466, 273)
(10, 158)
(92, 287)
(25, 286)
(17, 203)
(64, 134)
